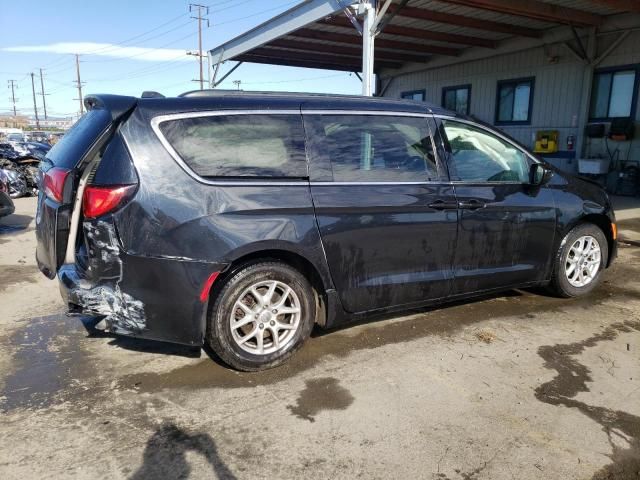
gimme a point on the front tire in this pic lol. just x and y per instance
(261, 316)
(579, 262)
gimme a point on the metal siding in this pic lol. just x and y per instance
(556, 92)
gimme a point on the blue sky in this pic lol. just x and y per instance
(128, 46)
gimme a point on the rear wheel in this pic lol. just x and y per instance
(579, 261)
(261, 316)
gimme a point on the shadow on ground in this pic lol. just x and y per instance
(165, 454)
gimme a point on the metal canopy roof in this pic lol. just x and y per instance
(322, 34)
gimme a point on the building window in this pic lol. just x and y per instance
(418, 95)
(514, 100)
(457, 98)
(613, 94)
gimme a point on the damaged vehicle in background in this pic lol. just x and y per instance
(241, 220)
(6, 204)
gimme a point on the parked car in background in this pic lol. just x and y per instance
(8, 151)
(6, 204)
(16, 137)
(37, 150)
(241, 220)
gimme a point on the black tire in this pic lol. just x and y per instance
(560, 284)
(219, 332)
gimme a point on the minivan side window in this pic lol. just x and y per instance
(373, 148)
(246, 145)
(479, 156)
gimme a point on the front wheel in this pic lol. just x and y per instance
(261, 316)
(579, 261)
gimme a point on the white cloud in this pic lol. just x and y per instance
(106, 50)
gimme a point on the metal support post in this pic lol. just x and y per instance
(367, 7)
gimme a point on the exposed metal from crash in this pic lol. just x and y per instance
(123, 313)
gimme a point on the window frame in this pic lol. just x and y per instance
(634, 96)
(453, 179)
(233, 181)
(466, 86)
(515, 82)
(422, 92)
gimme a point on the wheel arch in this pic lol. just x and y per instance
(319, 279)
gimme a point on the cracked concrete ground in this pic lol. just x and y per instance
(516, 386)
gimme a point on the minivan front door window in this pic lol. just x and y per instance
(478, 156)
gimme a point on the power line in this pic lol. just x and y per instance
(256, 14)
(141, 35)
(147, 50)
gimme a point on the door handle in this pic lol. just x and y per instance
(442, 205)
(472, 204)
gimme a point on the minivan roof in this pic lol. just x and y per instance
(235, 99)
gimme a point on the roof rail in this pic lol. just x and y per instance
(221, 93)
(151, 94)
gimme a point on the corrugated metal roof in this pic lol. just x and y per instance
(422, 25)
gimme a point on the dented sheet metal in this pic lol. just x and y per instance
(102, 293)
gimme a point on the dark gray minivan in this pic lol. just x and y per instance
(241, 220)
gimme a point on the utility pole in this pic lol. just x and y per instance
(12, 86)
(44, 102)
(79, 83)
(200, 18)
(35, 105)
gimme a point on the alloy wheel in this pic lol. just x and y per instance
(583, 261)
(265, 317)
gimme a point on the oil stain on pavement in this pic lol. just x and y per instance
(13, 274)
(320, 394)
(48, 359)
(572, 378)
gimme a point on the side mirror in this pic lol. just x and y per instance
(538, 174)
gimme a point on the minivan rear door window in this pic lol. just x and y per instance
(245, 145)
(380, 149)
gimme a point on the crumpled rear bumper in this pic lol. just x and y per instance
(155, 298)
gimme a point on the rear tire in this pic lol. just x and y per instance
(579, 262)
(261, 316)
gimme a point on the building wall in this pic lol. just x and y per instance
(559, 78)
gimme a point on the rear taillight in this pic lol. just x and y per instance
(99, 200)
(54, 180)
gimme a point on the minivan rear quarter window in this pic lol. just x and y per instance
(245, 145)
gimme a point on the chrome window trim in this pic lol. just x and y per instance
(159, 119)
(325, 184)
(383, 113)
